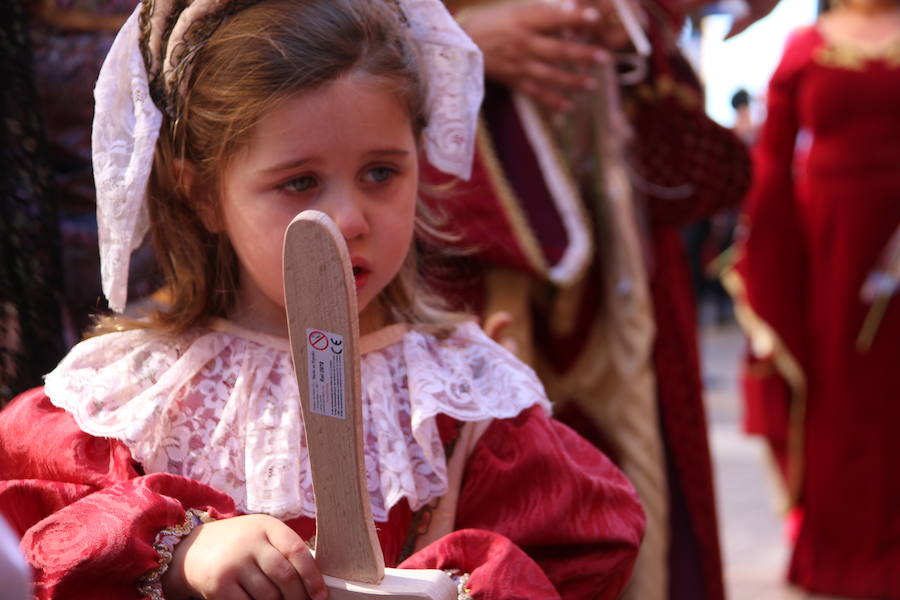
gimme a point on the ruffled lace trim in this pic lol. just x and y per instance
(150, 584)
(221, 406)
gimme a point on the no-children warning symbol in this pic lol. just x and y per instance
(318, 340)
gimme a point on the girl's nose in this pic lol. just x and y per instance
(347, 213)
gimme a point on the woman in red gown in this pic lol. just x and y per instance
(822, 384)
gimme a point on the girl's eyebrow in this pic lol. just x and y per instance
(286, 166)
(387, 152)
(300, 162)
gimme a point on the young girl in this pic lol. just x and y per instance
(166, 458)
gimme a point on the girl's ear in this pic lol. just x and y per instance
(199, 197)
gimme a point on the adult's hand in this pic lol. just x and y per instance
(525, 47)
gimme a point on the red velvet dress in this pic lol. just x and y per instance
(815, 229)
(540, 514)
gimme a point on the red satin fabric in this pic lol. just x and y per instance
(541, 514)
(814, 232)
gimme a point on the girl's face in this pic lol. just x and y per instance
(348, 150)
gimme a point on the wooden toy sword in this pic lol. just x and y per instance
(320, 298)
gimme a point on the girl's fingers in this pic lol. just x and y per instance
(297, 553)
(256, 584)
(281, 573)
(229, 592)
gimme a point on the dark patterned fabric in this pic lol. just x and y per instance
(66, 65)
(30, 279)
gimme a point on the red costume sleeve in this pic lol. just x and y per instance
(542, 514)
(87, 517)
(772, 267)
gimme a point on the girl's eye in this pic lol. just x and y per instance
(380, 174)
(300, 184)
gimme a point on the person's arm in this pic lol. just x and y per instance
(93, 526)
(771, 254)
(541, 514)
(767, 281)
(88, 518)
(112, 542)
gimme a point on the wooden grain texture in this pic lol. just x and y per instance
(320, 294)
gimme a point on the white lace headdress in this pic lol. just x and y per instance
(127, 121)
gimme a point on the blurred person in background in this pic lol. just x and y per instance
(744, 126)
(589, 160)
(817, 268)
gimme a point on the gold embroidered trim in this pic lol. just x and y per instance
(766, 342)
(846, 56)
(462, 583)
(149, 584)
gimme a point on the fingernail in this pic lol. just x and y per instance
(567, 6)
(590, 14)
(601, 57)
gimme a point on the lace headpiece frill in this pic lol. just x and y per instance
(221, 406)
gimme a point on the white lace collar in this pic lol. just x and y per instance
(221, 406)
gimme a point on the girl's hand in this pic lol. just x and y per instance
(250, 557)
(524, 49)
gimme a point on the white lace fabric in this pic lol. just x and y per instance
(221, 406)
(455, 70)
(123, 138)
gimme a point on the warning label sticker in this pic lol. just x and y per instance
(326, 372)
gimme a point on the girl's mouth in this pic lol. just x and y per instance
(360, 275)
